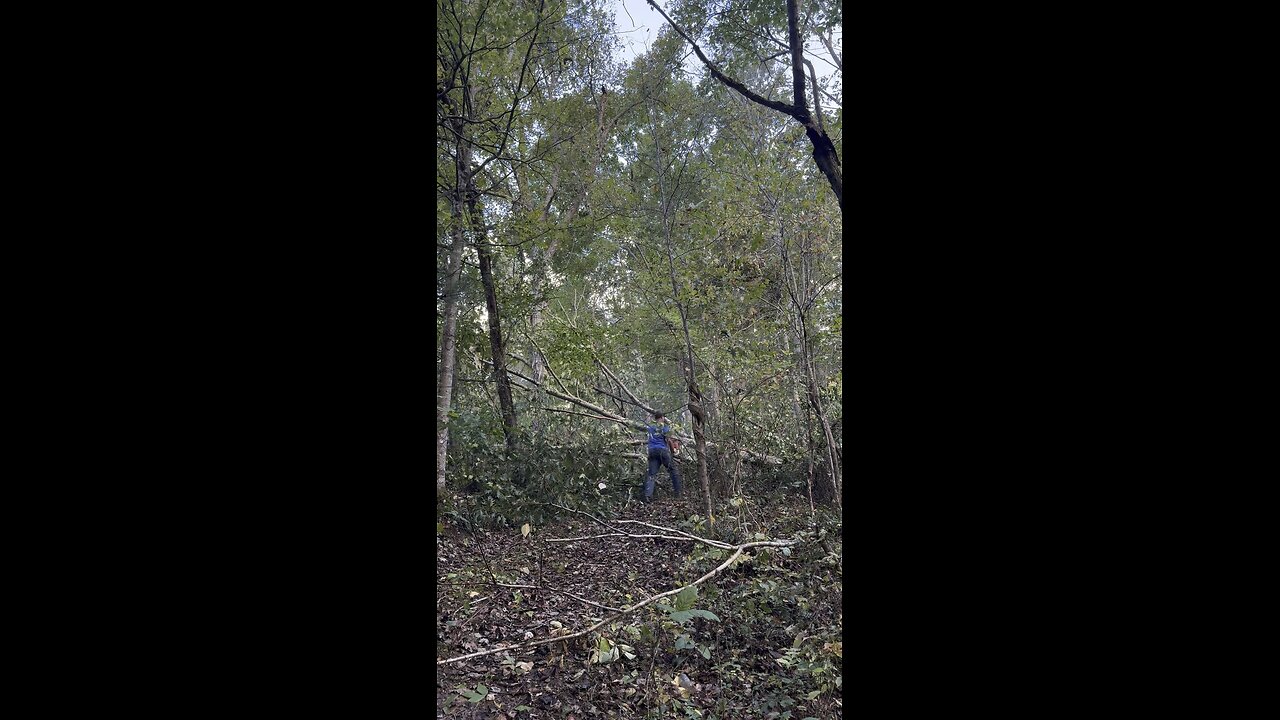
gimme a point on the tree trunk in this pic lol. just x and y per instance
(497, 348)
(808, 435)
(792, 395)
(815, 401)
(448, 336)
(801, 291)
(691, 384)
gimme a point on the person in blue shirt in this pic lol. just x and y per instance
(660, 455)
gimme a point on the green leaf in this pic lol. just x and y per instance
(687, 597)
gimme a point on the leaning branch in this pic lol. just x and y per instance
(625, 389)
(781, 107)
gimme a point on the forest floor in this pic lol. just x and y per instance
(772, 651)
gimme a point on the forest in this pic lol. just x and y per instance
(639, 277)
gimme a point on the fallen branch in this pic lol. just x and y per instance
(688, 536)
(587, 514)
(624, 611)
(618, 534)
(618, 531)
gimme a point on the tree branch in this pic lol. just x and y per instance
(717, 74)
(817, 106)
(834, 56)
(625, 389)
(624, 611)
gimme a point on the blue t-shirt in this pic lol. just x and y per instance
(657, 436)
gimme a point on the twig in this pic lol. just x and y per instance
(570, 412)
(638, 537)
(593, 517)
(617, 531)
(562, 592)
(624, 533)
(687, 536)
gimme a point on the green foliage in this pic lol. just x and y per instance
(474, 696)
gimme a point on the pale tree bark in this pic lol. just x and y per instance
(448, 336)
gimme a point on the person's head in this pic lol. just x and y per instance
(659, 417)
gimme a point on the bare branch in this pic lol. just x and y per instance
(625, 389)
(625, 611)
(817, 106)
(834, 55)
(570, 412)
(689, 536)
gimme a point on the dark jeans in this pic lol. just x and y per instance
(661, 457)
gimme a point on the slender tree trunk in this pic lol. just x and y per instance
(691, 384)
(496, 345)
(792, 395)
(713, 407)
(800, 288)
(448, 336)
(815, 400)
(808, 435)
